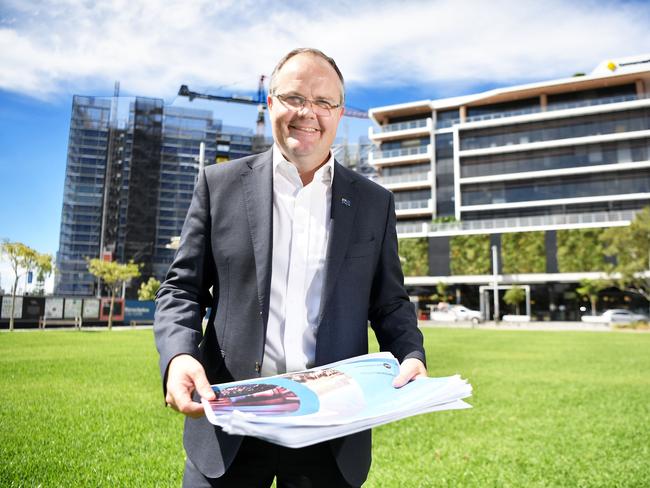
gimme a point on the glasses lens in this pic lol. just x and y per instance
(296, 102)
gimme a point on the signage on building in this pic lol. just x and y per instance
(137, 311)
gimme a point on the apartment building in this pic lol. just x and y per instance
(541, 158)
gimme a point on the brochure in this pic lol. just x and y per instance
(306, 407)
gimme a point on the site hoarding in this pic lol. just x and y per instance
(54, 308)
(33, 308)
(90, 309)
(6, 308)
(72, 308)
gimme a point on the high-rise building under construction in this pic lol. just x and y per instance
(131, 168)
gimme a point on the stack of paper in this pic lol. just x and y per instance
(303, 408)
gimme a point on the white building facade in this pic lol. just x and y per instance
(546, 158)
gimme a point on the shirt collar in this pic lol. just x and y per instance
(325, 173)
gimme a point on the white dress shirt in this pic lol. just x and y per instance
(301, 222)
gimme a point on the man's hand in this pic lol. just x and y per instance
(410, 369)
(184, 375)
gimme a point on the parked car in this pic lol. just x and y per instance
(622, 315)
(463, 313)
(456, 313)
(615, 315)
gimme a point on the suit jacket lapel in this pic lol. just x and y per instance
(257, 180)
(344, 208)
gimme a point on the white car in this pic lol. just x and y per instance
(464, 313)
(456, 313)
(615, 315)
(622, 315)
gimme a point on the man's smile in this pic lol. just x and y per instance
(303, 129)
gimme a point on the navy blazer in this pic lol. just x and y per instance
(226, 246)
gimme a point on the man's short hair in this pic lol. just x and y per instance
(308, 50)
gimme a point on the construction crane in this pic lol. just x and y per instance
(184, 91)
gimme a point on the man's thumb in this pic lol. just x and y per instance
(203, 386)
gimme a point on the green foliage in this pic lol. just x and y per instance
(414, 254)
(523, 252)
(514, 296)
(470, 254)
(113, 274)
(631, 246)
(444, 220)
(442, 293)
(86, 409)
(22, 259)
(148, 290)
(580, 250)
(590, 289)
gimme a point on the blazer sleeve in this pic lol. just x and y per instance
(182, 298)
(392, 315)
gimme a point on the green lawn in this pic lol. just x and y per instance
(550, 409)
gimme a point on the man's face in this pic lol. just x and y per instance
(304, 137)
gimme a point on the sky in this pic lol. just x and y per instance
(389, 52)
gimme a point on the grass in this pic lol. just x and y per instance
(550, 409)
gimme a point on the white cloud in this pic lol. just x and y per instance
(55, 47)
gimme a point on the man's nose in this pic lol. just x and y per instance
(304, 111)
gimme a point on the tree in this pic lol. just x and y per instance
(580, 250)
(414, 254)
(590, 289)
(514, 296)
(44, 267)
(441, 292)
(631, 247)
(113, 274)
(523, 252)
(470, 254)
(148, 290)
(23, 259)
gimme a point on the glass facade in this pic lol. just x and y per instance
(636, 150)
(513, 107)
(549, 130)
(444, 175)
(81, 216)
(573, 186)
(583, 98)
(406, 169)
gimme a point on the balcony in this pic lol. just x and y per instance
(594, 219)
(443, 124)
(413, 208)
(404, 181)
(388, 157)
(420, 127)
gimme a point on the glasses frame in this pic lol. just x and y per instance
(318, 110)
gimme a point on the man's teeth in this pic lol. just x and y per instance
(306, 129)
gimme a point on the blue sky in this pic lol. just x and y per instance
(389, 52)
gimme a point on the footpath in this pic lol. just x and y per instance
(546, 326)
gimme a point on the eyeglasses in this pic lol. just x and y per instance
(297, 102)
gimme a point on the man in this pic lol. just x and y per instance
(300, 253)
